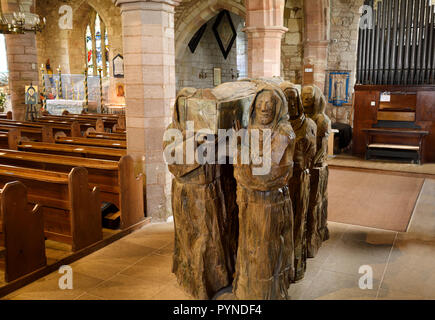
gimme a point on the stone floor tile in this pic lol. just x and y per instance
(336, 285)
(386, 294)
(154, 267)
(349, 255)
(88, 297)
(411, 268)
(172, 292)
(47, 288)
(122, 287)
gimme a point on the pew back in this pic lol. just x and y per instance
(71, 210)
(75, 151)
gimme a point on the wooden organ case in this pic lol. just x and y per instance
(395, 92)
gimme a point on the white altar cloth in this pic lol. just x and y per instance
(57, 106)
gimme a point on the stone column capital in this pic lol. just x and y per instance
(266, 31)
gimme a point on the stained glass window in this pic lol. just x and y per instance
(106, 46)
(89, 51)
(3, 62)
(98, 42)
(96, 37)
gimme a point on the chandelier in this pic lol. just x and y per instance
(20, 22)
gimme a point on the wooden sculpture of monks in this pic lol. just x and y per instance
(305, 130)
(264, 266)
(200, 260)
(314, 103)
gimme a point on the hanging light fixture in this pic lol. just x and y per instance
(20, 22)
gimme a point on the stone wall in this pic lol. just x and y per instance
(190, 15)
(206, 57)
(22, 61)
(342, 49)
(292, 43)
(23, 69)
(67, 47)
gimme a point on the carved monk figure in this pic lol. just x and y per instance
(264, 266)
(299, 185)
(200, 259)
(317, 231)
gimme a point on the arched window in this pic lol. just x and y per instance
(3, 62)
(97, 46)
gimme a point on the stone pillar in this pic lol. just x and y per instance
(22, 64)
(316, 40)
(265, 28)
(149, 64)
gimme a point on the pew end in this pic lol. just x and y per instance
(47, 135)
(75, 129)
(86, 225)
(99, 126)
(14, 137)
(132, 197)
(23, 232)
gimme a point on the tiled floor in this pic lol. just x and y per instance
(139, 266)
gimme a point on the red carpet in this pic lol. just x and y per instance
(381, 201)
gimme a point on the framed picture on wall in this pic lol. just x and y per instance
(118, 66)
(120, 90)
(217, 76)
(339, 88)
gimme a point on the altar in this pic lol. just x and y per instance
(57, 106)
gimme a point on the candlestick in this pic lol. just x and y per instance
(60, 93)
(44, 99)
(100, 70)
(57, 89)
(72, 89)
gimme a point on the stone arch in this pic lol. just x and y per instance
(111, 17)
(193, 17)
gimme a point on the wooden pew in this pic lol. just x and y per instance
(100, 124)
(7, 115)
(85, 114)
(105, 143)
(42, 134)
(22, 243)
(105, 135)
(50, 129)
(9, 139)
(120, 118)
(71, 210)
(71, 150)
(85, 124)
(119, 130)
(116, 180)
